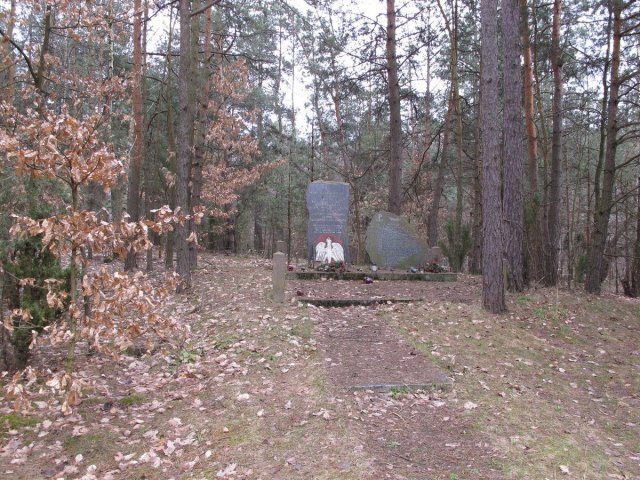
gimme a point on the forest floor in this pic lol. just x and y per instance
(549, 390)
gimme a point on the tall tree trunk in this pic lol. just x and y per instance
(171, 145)
(492, 275)
(258, 230)
(258, 235)
(603, 117)
(348, 172)
(292, 140)
(513, 212)
(184, 130)
(544, 149)
(395, 134)
(347, 164)
(568, 205)
(533, 252)
(475, 256)
(150, 192)
(452, 31)
(7, 80)
(40, 80)
(597, 270)
(635, 272)
(200, 129)
(573, 240)
(438, 187)
(529, 110)
(603, 138)
(455, 86)
(553, 209)
(135, 167)
(345, 160)
(194, 92)
(116, 190)
(96, 196)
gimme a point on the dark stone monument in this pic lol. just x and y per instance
(393, 242)
(327, 238)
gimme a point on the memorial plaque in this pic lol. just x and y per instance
(393, 242)
(327, 238)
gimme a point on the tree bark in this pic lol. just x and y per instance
(532, 134)
(452, 31)
(116, 190)
(533, 268)
(603, 117)
(135, 167)
(149, 192)
(540, 229)
(7, 58)
(195, 85)
(432, 219)
(492, 275)
(171, 154)
(183, 163)
(513, 160)
(40, 80)
(553, 208)
(635, 272)
(200, 130)
(455, 86)
(395, 134)
(597, 270)
(348, 172)
(475, 256)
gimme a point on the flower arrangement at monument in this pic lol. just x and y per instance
(339, 267)
(434, 267)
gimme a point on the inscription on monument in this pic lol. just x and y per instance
(392, 242)
(328, 205)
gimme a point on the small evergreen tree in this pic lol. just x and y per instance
(34, 272)
(457, 246)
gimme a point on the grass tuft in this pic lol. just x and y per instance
(13, 421)
(133, 399)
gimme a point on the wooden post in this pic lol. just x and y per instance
(279, 276)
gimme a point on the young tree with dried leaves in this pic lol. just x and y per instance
(64, 143)
(62, 147)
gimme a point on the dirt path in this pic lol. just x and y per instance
(416, 432)
(363, 352)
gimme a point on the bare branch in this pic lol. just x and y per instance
(205, 8)
(27, 60)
